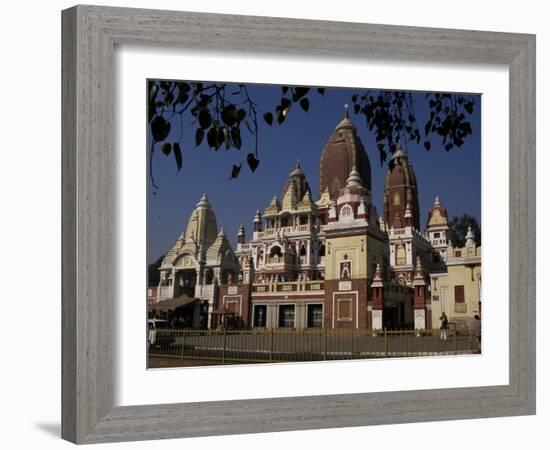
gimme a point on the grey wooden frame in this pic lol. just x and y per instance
(89, 37)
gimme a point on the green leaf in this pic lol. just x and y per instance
(268, 117)
(177, 155)
(241, 114)
(183, 87)
(199, 136)
(235, 171)
(280, 115)
(252, 162)
(151, 111)
(160, 128)
(166, 148)
(228, 115)
(236, 137)
(205, 120)
(321, 91)
(304, 103)
(221, 136)
(299, 92)
(427, 145)
(212, 138)
(153, 89)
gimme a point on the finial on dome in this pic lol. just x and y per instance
(437, 203)
(297, 170)
(398, 152)
(222, 232)
(204, 200)
(354, 179)
(345, 123)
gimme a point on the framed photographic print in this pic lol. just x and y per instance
(293, 222)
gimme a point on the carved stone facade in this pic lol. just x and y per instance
(327, 263)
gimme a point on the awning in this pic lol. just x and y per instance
(173, 303)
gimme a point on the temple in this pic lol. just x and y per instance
(329, 262)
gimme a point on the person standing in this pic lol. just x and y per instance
(444, 326)
(477, 333)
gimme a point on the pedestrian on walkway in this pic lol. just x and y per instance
(477, 333)
(444, 326)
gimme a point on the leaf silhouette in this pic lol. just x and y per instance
(160, 128)
(252, 162)
(199, 136)
(166, 148)
(268, 117)
(177, 155)
(235, 171)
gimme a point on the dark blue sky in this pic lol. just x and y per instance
(455, 176)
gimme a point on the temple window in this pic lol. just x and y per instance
(335, 185)
(396, 199)
(400, 255)
(322, 250)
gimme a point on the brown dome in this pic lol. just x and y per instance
(343, 151)
(401, 193)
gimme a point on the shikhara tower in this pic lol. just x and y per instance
(330, 262)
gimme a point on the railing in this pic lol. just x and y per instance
(294, 286)
(285, 230)
(460, 307)
(197, 347)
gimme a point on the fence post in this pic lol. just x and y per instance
(325, 343)
(224, 340)
(386, 341)
(182, 356)
(454, 342)
(271, 345)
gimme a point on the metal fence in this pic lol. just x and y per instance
(287, 345)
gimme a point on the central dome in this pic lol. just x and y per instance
(401, 192)
(343, 151)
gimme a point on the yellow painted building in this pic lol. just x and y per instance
(457, 292)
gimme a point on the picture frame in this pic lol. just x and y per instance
(90, 34)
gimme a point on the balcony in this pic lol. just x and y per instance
(271, 232)
(460, 307)
(289, 287)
